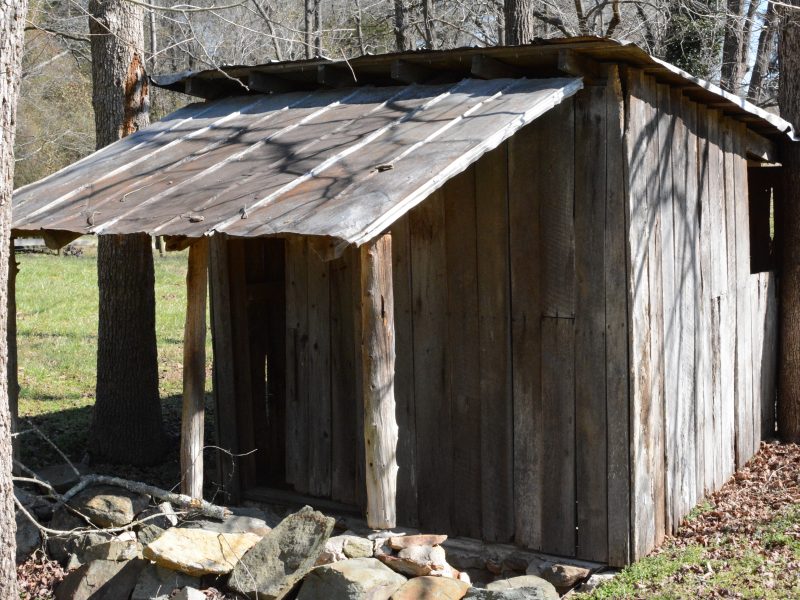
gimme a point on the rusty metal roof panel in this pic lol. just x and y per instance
(341, 163)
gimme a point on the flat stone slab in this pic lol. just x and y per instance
(101, 580)
(109, 506)
(406, 541)
(272, 568)
(431, 588)
(353, 579)
(199, 552)
(536, 588)
(233, 524)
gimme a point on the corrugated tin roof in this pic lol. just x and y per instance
(539, 59)
(342, 163)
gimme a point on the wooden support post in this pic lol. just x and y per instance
(194, 371)
(11, 340)
(378, 356)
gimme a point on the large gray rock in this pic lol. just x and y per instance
(101, 580)
(431, 588)
(416, 561)
(122, 547)
(564, 577)
(189, 593)
(157, 583)
(61, 547)
(353, 579)
(283, 557)
(232, 524)
(28, 537)
(62, 477)
(109, 506)
(528, 587)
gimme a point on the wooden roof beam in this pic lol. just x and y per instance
(55, 239)
(572, 63)
(409, 72)
(486, 67)
(760, 148)
(265, 83)
(335, 77)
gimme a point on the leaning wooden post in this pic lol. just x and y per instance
(194, 371)
(377, 351)
(11, 332)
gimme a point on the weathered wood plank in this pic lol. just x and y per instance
(404, 368)
(558, 415)
(319, 376)
(524, 198)
(380, 423)
(194, 371)
(617, 390)
(728, 313)
(744, 327)
(297, 442)
(590, 326)
(497, 449)
(223, 374)
(241, 358)
(431, 403)
(558, 225)
(769, 364)
(703, 344)
(638, 132)
(463, 359)
(344, 401)
(684, 173)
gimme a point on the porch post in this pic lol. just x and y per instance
(377, 355)
(11, 340)
(194, 370)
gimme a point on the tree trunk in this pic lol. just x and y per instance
(766, 41)
(789, 306)
(520, 22)
(126, 426)
(12, 22)
(429, 29)
(401, 38)
(731, 74)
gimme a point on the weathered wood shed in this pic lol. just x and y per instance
(551, 264)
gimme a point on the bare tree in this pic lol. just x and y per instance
(126, 424)
(520, 20)
(12, 20)
(757, 90)
(789, 305)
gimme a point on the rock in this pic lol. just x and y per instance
(109, 506)
(356, 547)
(516, 561)
(60, 547)
(431, 588)
(283, 557)
(494, 566)
(333, 551)
(594, 582)
(406, 541)
(535, 587)
(233, 524)
(122, 547)
(61, 476)
(416, 561)
(352, 579)
(41, 507)
(189, 593)
(564, 577)
(101, 580)
(199, 552)
(28, 537)
(148, 534)
(162, 516)
(158, 583)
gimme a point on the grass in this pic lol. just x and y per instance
(57, 344)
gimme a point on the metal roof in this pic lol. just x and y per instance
(343, 164)
(542, 58)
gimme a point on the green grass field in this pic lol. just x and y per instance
(57, 345)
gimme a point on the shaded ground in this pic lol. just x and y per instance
(742, 542)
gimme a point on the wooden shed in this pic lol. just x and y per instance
(537, 277)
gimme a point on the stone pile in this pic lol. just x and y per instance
(135, 550)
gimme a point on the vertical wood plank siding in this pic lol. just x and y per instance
(581, 350)
(718, 347)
